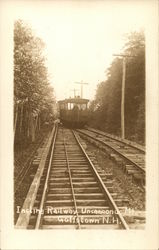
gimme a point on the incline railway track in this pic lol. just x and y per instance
(70, 194)
(119, 139)
(132, 155)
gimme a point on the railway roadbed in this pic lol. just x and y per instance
(70, 192)
(121, 185)
(77, 186)
(130, 157)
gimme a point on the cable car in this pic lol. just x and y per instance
(74, 112)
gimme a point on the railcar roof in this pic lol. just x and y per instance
(74, 100)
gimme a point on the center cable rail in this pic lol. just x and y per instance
(72, 189)
(72, 186)
(39, 217)
(106, 192)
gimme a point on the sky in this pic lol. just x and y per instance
(81, 37)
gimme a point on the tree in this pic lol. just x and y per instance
(33, 94)
(135, 86)
(108, 96)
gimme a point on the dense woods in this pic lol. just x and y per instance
(105, 110)
(34, 99)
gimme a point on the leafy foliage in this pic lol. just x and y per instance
(31, 85)
(107, 114)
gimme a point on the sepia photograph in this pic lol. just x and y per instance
(80, 117)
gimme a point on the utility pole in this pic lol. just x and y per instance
(74, 90)
(123, 94)
(82, 83)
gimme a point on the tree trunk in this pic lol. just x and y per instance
(16, 118)
(32, 128)
(28, 122)
(21, 118)
(36, 122)
(39, 122)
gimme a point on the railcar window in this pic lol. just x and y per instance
(70, 106)
(83, 106)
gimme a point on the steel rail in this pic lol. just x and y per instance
(107, 194)
(23, 218)
(39, 217)
(124, 141)
(115, 150)
(70, 177)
